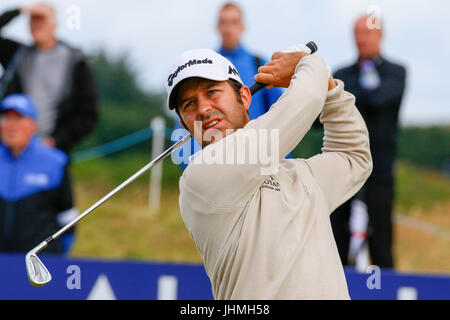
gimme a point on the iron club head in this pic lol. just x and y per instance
(38, 274)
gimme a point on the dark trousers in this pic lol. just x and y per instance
(378, 194)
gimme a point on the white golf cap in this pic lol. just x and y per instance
(202, 63)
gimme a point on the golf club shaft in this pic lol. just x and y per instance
(113, 192)
(258, 85)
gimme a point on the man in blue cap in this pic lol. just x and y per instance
(35, 193)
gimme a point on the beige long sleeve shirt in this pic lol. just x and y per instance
(268, 235)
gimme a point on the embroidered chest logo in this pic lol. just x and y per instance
(37, 179)
(271, 184)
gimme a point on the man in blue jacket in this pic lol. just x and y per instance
(35, 193)
(230, 26)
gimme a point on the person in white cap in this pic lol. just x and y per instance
(264, 233)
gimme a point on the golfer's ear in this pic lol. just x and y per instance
(246, 97)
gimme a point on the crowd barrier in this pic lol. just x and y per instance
(75, 279)
(117, 145)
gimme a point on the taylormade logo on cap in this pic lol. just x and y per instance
(202, 63)
(187, 64)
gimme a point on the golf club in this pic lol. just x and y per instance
(38, 275)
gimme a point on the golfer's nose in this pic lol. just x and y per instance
(204, 106)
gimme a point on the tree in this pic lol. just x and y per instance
(124, 106)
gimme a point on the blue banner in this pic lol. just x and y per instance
(127, 280)
(78, 278)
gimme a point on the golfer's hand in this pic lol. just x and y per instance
(37, 9)
(279, 71)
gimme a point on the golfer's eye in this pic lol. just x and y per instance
(187, 104)
(211, 92)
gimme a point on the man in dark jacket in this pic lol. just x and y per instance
(378, 86)
(35, 193)
(56, 77)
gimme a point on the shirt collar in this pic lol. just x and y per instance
(378, 60)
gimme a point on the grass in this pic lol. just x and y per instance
(419, 189)
(418, 251)
(125, 227)
(422, 194)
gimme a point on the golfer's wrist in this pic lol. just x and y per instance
(331, 83)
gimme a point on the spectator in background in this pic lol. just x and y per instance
(35, 193)
(55, 76)
(378, 86)
(230, 25)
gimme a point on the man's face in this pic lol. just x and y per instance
(367, 40)
(16, 130)
(43, 26)
(230, 27)
(211, 107)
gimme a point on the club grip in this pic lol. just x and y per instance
(258, 85)
(312, 46)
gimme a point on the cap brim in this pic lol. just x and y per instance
(18, 110)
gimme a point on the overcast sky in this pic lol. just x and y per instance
(155, 32)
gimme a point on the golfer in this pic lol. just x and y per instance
(264, 231)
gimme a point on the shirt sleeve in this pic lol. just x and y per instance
(345, 162)
(231, 184)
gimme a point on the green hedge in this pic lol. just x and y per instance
(427, 147)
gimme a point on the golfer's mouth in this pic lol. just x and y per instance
(212, 123)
